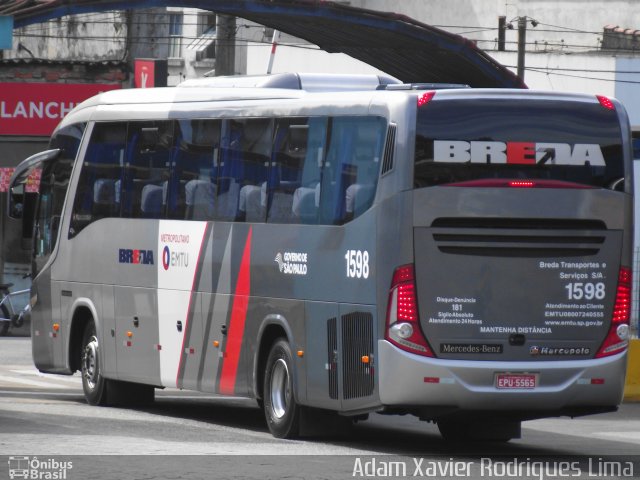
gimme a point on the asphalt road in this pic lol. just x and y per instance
(191, 435)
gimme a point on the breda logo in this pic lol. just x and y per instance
(135, 256)
(525, 153)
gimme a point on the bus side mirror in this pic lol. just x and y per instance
(23, 189)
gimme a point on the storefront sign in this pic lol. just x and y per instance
(34, 109)
(149, 73)
(31, 186)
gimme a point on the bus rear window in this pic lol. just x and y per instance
(463, 140)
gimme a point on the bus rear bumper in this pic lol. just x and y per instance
(408, 380)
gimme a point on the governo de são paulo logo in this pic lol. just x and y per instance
(292, 263)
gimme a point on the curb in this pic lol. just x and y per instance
(632, 382)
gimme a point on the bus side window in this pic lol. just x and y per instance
(289, 146)
(193, 185)
(245, 168)
(146, 169)
(368, 151)
(350, 174)
(53, 186)
(98, 192)
(294, 179)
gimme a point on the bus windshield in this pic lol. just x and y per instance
(465, 140)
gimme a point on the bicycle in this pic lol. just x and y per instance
(8, 317)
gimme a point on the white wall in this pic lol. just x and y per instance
(301, 59)
(66, 38)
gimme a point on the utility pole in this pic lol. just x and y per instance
(274, 44)
(522, 42)
(225, 45)
(502, 31)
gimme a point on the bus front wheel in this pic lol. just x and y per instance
(280, 408)
(93, 383)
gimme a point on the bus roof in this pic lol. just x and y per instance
(310, 82)
(317, 89)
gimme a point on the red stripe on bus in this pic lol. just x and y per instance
(236, 325)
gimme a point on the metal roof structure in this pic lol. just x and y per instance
(400, 46)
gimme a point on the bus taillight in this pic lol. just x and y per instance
(618, 337)
(403, 328)
(606, 102)
(425, 98)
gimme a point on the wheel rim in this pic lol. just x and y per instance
(280, 388)
(90, 363)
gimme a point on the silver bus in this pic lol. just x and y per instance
(461, 255)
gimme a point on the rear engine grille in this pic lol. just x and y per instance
(357, 342)
(521, 238)
(332, 360)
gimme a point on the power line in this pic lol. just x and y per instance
(44, 30)
(551, 71)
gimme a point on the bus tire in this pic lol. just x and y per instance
(280, 408)
(94, 384)
(4, 326)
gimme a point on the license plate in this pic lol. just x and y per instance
(516, 380)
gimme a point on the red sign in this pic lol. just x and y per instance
(150, 72)
(36, 108)
(144, 74)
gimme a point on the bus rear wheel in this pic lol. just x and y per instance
(280, 408)
(93, 383)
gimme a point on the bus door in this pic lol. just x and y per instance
(44, 221)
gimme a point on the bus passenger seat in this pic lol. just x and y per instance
(151, 201)
(250, 205)
(104, 191)
(227, 202)
(200, 198)
(280, 210)
(104, 197)
(358, 198)
(305, 204)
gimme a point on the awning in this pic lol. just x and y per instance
(201, 43)
(398, 45)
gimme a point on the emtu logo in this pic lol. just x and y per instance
(174, 259)
(166, 257)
